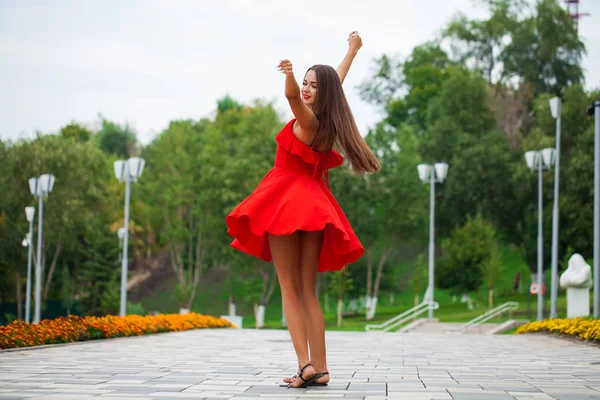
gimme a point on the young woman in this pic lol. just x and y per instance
(293, 219)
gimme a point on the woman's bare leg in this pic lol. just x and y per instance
(310, 250)
(286, 257)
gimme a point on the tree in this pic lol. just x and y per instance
(481, 178)
(81, 171)
(460, 112)
(339, 284)
(115, 139)
(481, 42)
(461, 132)
(172, 185)
(492, 270)
(259, 284)
(425, 71)
(385, 83)
(384, 208)
(250, 134)
(99, 278)
(514, 44)
(227, 103)
(576, 177)
(418, 280)
(545, 50)
(512, 111)
(76, 132)
(468, 250)
(68, 289)
(420, 78)
(210, 168)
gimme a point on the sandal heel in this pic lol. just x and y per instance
(319, 376)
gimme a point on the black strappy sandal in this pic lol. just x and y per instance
(318, 376)
(293, 377)
(305, 383)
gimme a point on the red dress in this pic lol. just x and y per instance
(294, 196)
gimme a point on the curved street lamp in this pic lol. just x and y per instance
(127, 171)
(432, 174)
(538, 161)
(40, 187)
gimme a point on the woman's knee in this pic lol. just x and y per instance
(290, 289)
(309, 294)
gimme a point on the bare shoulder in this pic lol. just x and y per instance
(303, 134)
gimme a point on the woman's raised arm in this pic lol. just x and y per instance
(354, 43)
(304, 116)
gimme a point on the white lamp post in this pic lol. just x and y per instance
(40, 187)
(429, 174)
(595, 110)
(121, 235)
(29, 213)
(538, 161)
(555, 108)
(127, 171)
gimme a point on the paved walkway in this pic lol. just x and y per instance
(244, 364)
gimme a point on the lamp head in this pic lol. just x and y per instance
(441, 170)
(549, 156)
(555, 107)
(33, 186)
(424, 171)
(129, 169)
(46, 184)
(136, 167)
(29, 213)
(531, 157)
(121, 171)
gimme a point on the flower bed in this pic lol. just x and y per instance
(583, 328)
(76, 329)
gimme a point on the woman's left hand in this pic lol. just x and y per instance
(354, 41)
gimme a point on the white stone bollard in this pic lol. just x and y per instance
(234, 319)
(260, 317)
(578, 302)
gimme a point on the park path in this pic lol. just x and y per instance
(244, 364)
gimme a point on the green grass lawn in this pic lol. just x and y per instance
(212, 299)
(448, 312)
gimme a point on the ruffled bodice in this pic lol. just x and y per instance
(294, 154)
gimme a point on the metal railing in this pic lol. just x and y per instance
(402, 318)
(509, 306)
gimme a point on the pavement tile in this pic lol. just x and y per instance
(250, 364)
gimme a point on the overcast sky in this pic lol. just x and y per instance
(146, 62)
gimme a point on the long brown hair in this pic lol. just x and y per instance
(337, 121)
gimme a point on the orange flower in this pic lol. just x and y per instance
(74, 328)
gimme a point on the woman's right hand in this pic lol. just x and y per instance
(285, 67)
